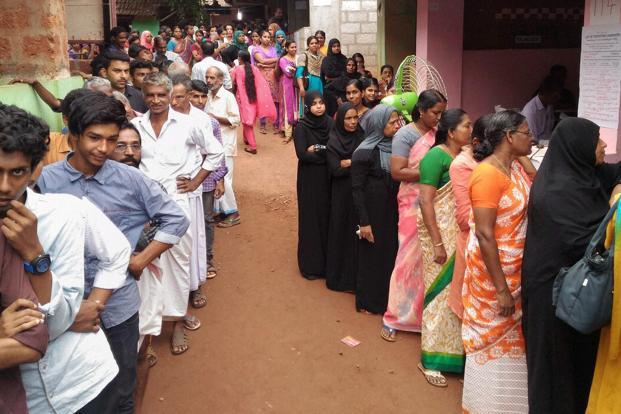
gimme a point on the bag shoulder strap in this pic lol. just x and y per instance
(601, 230)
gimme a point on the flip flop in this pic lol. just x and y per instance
(388, 334)
(198, 299)
(191, 322)
(211, 273)
(178, 340)
(434, 378)
(229, 222)
(250, 150)
(151, 356)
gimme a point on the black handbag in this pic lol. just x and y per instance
(582, 293)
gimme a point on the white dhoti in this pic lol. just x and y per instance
(175, 264)
(198, 257)
(151, 301)
(227, 203)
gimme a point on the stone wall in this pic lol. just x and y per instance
(353, 22)
(33, 39)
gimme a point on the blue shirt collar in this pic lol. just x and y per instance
(101, 175)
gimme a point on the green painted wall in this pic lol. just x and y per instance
(24, 96)
(151, 25)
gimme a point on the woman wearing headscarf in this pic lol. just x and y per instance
(238, 43)
(345, 137)
(146, 40)
(333, 65)
(279, 42)
(266, 59)
(308, 70)
(441, 343)
(491, 321)
(336, 88)
(568, 200)
(313, 186)
(375, 201)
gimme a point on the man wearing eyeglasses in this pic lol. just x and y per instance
(130, 200)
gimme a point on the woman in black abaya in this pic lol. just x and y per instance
(375, 201)
(568, 200)
(345, 137)
(313, 186)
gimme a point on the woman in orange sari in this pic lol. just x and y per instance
(495, 376)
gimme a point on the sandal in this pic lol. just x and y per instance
(287, 140)
(179, 342)
(389, 334)
(198, 298)
(250, 150)
(151, 356)
(366, 312)
(263, 130)
(229, 222)
(211, 273)
(191, 322)
(434, 378)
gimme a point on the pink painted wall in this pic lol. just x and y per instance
(442, 46)
(510, 77)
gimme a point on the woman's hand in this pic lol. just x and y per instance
(367, 233)
(311, 149)
(506, 303)
(439, 254)
(302, 92)
(345, 163)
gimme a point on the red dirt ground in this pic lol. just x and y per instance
(270, 340)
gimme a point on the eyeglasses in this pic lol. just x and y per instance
(123, 147)
(528, 132)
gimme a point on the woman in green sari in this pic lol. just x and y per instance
(441, 343)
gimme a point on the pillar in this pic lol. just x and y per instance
(33, 40)
(440, 39)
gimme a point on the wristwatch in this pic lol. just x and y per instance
(39, 265)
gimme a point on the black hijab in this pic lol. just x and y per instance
(317, 126)
(567, 202)
(342, 142)
(334, 64)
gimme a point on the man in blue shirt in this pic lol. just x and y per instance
(130, 200)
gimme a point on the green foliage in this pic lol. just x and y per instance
(190, 11)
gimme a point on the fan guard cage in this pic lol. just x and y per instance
(415, 74)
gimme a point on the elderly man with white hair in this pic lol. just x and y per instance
(179, 68)
(170, 144)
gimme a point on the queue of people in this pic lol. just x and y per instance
(445, 228)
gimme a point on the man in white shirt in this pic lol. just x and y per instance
(170, 144)
(199, 70)
(222, 106)
(77, 366)
(539, 111)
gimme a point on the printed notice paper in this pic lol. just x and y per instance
(600, 75)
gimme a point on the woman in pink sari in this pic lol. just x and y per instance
(146, 40)
(410, 144)
(266, 59)
(289, 97)
(253, 97)
(460, 172)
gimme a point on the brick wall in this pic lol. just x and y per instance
(353, 22)
(33, 39)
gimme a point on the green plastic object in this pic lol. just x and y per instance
(25, 97)
(404, 103)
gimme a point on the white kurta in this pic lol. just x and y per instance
(223, 104)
